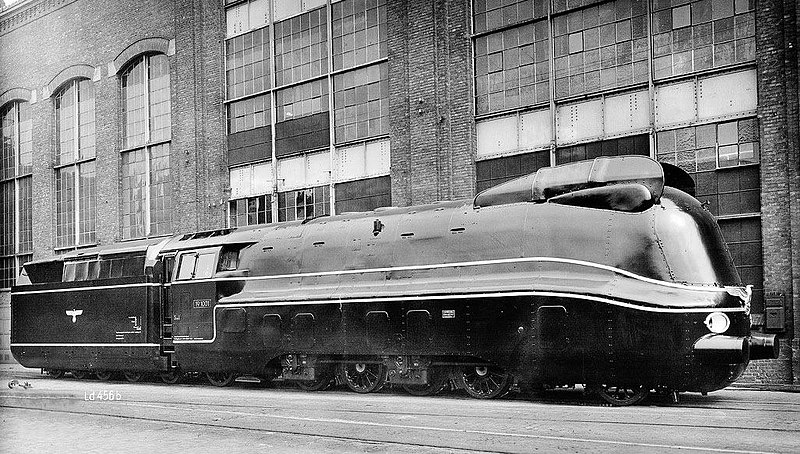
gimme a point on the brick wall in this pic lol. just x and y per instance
(430, 97)
(777, 112)
(5, 327)
(95, 32)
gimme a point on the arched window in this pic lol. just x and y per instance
(147, 130)
(75, 183)
(16, 194)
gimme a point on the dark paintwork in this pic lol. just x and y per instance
(283, 299)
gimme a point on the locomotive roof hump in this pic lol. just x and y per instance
(550, 182)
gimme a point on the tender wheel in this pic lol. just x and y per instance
(321, 383)
(103, 375)
(79, 374)
(622, 395)
(172, 377)
(485, 382)
(221, 379)
(132, 377)
(437, 380)
(363, 377)
(55, 373)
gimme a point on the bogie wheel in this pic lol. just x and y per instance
(620, 396)
(221, 379)
(323, 380)
(172, 377)
(79, 374)
(363, 377)
(103, 375)
(437, 381)
(55, 373)
(132, 377)
(485, 382)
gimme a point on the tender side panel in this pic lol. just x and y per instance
(106, 326)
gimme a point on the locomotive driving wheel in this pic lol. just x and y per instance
(437, 381)
(620, 396)
(323, 380)
(221, 379)
(363, 377)
(485, 382)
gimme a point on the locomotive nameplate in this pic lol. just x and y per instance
(448, 313)
(201, 304)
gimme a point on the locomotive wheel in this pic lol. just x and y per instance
(437, 380)
(363, 377)
(103, 375)
(55, 373)
(321, 383)
(132, 377)
(221, 379)
(621, 396)
(172, 377)
(79, 374)
(485, 382)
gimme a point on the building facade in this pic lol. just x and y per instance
(123, 121)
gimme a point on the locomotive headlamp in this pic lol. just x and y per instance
(717, 322)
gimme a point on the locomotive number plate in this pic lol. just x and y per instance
(448, 313)
(201, 304)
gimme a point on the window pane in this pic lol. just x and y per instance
(65, 206)
(159, 97)
(302, 100)
(65, 123)
(359, 33)
(361, 103)
(86, 129)
(248, 114)
(25, 214)
(88, 203)
(133, 198)
(247, 69)
(186, 267)
(160, 191)
(7, 219)
(25, 139)
(303, 52)
(8, 118)
(134, 110)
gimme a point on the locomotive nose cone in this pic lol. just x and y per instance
(481, 370)
(361, 367)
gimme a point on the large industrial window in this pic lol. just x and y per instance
(512, 68)
(710, 146)
(638, 144)
(304, 203)
(359, 32)
(16, 193)
(600, 47)
(301, 47)
(248, 114)
(302, 121)
(701, 34)
(251, 211)
(489, 15)
(301, 100)
(492, 172)
(146, 200)
(361, 103)
(75, 186)
(247, 68)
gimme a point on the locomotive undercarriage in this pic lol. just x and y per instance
(549, 342)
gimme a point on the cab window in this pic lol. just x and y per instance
(197, 265)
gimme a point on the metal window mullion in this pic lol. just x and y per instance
(18, 134)
(147, 149)
(650, 82)
(273, 110)
(551, 74)
(76, 157)
(331, 132)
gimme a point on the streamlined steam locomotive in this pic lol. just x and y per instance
(597, 273)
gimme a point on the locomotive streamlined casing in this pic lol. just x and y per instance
(558, 280)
